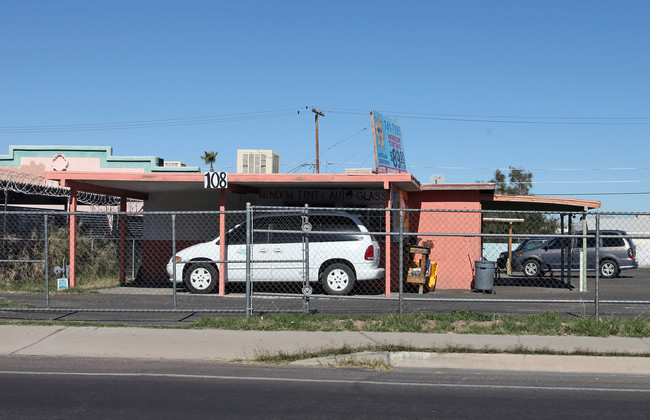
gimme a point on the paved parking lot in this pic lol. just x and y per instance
(156, 305)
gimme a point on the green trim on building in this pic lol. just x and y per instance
(104, 153)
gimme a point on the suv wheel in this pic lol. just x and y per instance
(608, 269)
(531, 268)
(201, 278)
(338, 279)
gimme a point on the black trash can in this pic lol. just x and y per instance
(484, 278)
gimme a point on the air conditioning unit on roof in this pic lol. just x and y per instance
(255, 161)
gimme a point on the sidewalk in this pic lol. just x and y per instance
(227, 345)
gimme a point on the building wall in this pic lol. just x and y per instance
(35, 160)
(454, 255)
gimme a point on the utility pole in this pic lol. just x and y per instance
(316, 114)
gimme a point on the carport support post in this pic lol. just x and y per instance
(174, 267)
(47, 263)
(387, 238)
(583, 257)
(401, 261)
(73, 237)
(509, 260)
(222, 242)
(122, 240)
(597, 280)
(249, 305)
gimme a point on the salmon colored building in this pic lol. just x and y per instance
(160, 188)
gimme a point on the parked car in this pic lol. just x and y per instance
(616, 252)
(339, 256)
(530, 243)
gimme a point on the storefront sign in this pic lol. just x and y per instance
(324, 196)
(389, 149)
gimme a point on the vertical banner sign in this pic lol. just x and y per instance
(389, 148)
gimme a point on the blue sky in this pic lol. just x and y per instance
(558, 88)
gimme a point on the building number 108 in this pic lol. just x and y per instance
(215, 180)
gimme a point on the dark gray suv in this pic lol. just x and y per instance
(617, 252)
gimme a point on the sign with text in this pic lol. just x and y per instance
(316, 196)
(215, 180)
(389, 149)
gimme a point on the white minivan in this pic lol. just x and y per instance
(341, 252)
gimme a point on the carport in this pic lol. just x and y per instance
(186, 192)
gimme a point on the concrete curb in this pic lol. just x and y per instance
(500, 362)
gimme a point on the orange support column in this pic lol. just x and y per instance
(73, 237)
(387, 239)
(222, 243)
(122, 241)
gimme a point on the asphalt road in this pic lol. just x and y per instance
(84, 388)
(155, 305)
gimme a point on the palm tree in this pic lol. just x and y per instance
(210, 157)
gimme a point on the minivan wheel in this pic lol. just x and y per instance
(338, 279)
(531, 268)
(608, 269)
(201, 278)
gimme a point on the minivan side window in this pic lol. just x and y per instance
(284, 223)
(609, 242)
(591, 243)
(279, 225)
(332, 223)
(237, 236)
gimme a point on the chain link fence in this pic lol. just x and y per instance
(345, 260)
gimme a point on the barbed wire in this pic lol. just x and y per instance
(25, 183)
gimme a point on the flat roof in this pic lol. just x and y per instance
(522, 202)
(458, 187)
(138, 184)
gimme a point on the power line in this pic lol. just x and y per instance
(304, 162)
(504, 119)
(169, 122)
(534, 169)
(575, 182)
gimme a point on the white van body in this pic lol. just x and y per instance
(341, 252)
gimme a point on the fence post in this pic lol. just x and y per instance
(400, 277)
(597, 297)
(4, 220)
(174, 258)
(249, 308)
(583, 258)
(47, 264)
(306, 290)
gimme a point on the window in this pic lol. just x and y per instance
(327, 223)
(532, 244)
(558, 243)
(284, 223)
(609, 242)
(237, 236)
